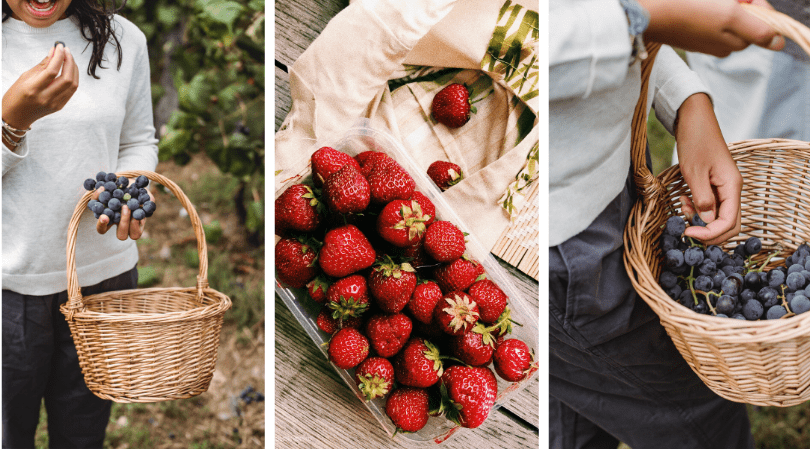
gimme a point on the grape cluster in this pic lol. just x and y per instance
(117, 193)
(710, 281)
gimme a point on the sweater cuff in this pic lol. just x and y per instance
(11, 159)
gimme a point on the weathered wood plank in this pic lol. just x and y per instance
(299, 23)
(313, 405)
(283, 99)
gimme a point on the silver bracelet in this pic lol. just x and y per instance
(8, 136)
(19, 134)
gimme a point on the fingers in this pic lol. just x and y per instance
(51, 69)
(129, 227)
(754, 30)
(103, 224)
(62, 88)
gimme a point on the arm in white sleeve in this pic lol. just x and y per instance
(672, 83)
(11, 159)
(138, 146)
(589, 47)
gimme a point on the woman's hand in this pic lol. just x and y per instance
(127, 227)
(716, 27)
(42, 90)
(709, 171)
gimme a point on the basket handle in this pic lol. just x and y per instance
(74, 290)
(647, 185)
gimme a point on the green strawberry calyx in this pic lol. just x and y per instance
(373, 385)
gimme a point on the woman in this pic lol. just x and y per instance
(85, 108)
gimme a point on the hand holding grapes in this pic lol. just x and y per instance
(42, 90)
(120, 201)
(709, 171)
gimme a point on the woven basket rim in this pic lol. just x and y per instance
(719, 329)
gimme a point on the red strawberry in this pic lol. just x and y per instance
(374, 377)
(347, 348)
(418, 364)
(345, 251)
(513, 360)
(348, 297)
(388, 333)
(423, 301)
(416, 255)
(469, 394)
(408, 408)
(458, 275)
(445, 174)
(490, 299)
(329, 324)
(402, 223)
(451, 106)
(444, 242)
(368, 159)
(346, 191)
(326, 161)
(428, 208)
(295, 262)
(456, 313)
(317, 288)
(389, 181)
(391, 284)
(297, 209)
(474, 348)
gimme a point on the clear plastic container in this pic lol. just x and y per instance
(361, 138)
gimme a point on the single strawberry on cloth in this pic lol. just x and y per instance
(386, 60)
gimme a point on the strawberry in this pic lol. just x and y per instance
(329, 324)
(317, 288)
(469, 394)
(451, 106)
(428, 208)
(347, 348)
(408, 408)
(346, 191)
(474, 348)
(295, 262)
(388, 333)
(391, 284)
(326, 161)
(368, 159)
(297, 209)
(444, 242)
(445, 174)
(423, 301)
(418, 364)
(456, 313)
(416, 255)
(389, 181)
(374, 377)
(513, 360)
(490, 299)
(345, 251)
(348, 297)
(458, 275)
(402, 223)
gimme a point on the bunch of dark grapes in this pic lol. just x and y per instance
(710, 281)
(117, 193)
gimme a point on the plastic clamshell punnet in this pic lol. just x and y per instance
(361, 138)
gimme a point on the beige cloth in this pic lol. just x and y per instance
(493, 148)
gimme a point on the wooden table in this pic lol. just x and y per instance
(314, 408)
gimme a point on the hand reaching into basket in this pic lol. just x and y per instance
(709, 171)
(716, 27)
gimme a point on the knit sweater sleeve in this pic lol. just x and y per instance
(138, 145)
(12, 158)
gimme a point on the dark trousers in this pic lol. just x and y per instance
(40, 361)
(614, 372)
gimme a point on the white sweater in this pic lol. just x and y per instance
(106, 126)
(593, 91)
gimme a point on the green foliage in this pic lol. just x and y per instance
(661, 144)
(148, 276)
(216, 61)
(213, 232)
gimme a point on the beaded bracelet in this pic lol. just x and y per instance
(14, 136)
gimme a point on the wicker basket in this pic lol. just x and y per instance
(146, 345)
(764, 362)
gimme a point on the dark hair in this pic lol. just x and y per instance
(95, 21)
